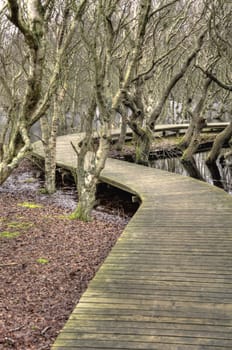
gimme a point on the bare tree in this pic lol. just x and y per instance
(30, 21)
(167, 66)
(220, 47)
(103, 43)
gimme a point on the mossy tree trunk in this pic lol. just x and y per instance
(222, 138)
(194, 143)
(87, 178)
(198, 122)
(142, 140)
(186, 139)
(89, 166)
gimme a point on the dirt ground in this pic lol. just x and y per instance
(46, 260)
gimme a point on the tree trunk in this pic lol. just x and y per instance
(89, 168)
(90, 165)
(223, 137)
(215, 175)
(191, 167)
(86, 200)
(122, 136)
(142, 140)
(49, 145)
(185, 141)
(14, 151)
(49, 133)
(228, 155)
(192, 139)
(5, 172)
(195, 141)
(143, 147)
(88, 172)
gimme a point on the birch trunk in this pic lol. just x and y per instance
(49, 127)
(49, 133)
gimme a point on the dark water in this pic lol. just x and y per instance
(220, 176)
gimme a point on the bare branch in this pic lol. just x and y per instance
(215, 79)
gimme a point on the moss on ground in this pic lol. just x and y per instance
(9, 234)
(30, 205)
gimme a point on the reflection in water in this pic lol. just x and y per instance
(219, 175)
(192, 170)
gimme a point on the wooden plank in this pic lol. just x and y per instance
(166, 284)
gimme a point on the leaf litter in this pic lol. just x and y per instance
(47, 266)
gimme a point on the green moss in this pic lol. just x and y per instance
(81, 215)
(30, 205)
(42, 261)
(9, 234)
(30, 180)
(63, 217)
(19, 225)
(43, 191)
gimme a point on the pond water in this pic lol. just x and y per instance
(220, 175)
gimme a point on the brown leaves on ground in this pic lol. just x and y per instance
(45, 266)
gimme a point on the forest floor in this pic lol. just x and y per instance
(46, 259)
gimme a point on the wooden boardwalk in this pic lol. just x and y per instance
(167, 283)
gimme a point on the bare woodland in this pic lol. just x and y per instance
(91, 66)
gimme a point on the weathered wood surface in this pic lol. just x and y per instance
(165, 128)
(175, 127)
(167, 283)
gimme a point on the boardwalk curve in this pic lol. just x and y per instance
(167, 283)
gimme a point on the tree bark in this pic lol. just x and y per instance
(88, 171)
(90, 165)
(192, 138)
(191, 167)
(186, 139)
(222, 138)
(122, 136)
(195, 141)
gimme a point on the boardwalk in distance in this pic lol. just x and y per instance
(167, 283)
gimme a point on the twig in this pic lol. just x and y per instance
(45, 330)
(17, 328)
(9, 264)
